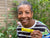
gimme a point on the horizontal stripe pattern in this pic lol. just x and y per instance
(23, 34)
(40, 26)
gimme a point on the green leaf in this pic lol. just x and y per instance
(4, 15)
(11, 28)
(5, 20)
(10, 16)
(1, 34)
(14, 1)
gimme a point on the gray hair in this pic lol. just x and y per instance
(25, 3)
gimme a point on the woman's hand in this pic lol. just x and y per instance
(36, 34)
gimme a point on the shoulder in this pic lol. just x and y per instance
(41, 25)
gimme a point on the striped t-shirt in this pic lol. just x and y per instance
(37, 26)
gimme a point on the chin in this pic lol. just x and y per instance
(24, 24)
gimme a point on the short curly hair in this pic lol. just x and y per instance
(25, 3)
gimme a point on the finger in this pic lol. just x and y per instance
(39, 33)
(33, 37)
(32, 33)
(36, 32)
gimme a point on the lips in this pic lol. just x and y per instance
(24, 21)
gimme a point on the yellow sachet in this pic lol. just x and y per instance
(26, 29)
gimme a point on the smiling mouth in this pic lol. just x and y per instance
(24, 21)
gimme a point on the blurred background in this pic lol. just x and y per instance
(8, 15)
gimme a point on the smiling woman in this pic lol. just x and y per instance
(25, 15)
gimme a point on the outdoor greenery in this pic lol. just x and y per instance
(41, 9)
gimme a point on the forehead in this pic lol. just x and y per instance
(24, 7)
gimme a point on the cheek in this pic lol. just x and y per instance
(19, 16)
(30, 16)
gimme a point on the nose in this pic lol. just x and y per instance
(24, 15)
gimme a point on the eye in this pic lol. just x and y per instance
(20, 12)
(27, 12)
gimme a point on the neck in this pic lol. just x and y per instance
(32, 22)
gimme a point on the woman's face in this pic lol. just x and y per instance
(25, 14)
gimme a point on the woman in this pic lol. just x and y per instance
(25, 15)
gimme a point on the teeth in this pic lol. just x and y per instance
(24, 20)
